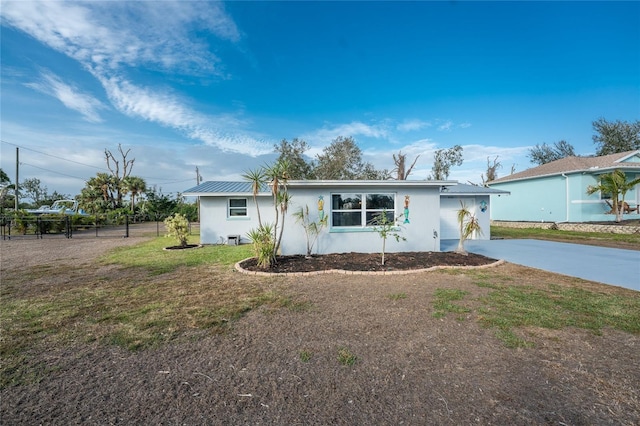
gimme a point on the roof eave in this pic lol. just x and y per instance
(369, 183)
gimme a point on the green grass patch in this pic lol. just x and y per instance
(397, 296)
(132, 307)
(305, 355)
(151, 256)
(443, 302)
(555, 307)
(551, 234)
(346, 357)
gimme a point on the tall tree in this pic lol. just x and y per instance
(4, 178)
(293, 153)
(106, 185)
(342, 160)
(614, 137)
(543, 154)
(492, 171)
(119, 174)
(34, 190)
(616, 184)
(136, 186)
(402, 173)
(257, 178)
(443, 160)
(5, 186)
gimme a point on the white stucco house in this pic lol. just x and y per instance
(425, 213)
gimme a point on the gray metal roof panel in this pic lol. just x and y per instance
(224, 187)
(466, 189)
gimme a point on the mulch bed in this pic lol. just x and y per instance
(369, 262)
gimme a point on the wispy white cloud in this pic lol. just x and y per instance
(412, 125)
(445, 126)
(108, 37)
(481, 152)
(169, 110)
(324, 136)
(70, 96)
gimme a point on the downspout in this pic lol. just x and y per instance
(566, 191)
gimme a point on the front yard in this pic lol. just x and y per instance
(141, 335)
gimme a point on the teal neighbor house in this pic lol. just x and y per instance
(557, 191)
(424, 213)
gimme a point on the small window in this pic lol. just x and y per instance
(237, 207)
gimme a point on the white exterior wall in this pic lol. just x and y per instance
(215, 221)
(424, 219)
(449, 206)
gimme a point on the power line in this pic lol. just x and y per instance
(53, 171)
(83, 164)
(54, 156)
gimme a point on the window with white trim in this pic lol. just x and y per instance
(237, 207)
(359, 210)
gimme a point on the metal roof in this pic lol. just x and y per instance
(244, 188)
(225, 187)
(465, 189)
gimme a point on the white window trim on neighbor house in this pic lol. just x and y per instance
(361, 209)
(238, 211)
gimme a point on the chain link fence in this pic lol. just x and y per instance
(76, 226)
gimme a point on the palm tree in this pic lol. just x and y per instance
(279, 175)
(104, 182)
(257, 178)
(136, 186)
(616, 184)
(468, 225)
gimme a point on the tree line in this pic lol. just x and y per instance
(341, 160)
(104, 193)
(610, 137)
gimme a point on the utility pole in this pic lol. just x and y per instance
(15, 186)
(198, 180)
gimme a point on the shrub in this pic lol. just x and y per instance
(263, 245)
(178, 228)
(386, 227)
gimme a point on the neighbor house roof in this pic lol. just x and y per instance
(604, 163)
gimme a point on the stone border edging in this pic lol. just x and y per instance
(343, 272)
(570, 226)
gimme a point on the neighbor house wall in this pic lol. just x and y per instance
(424, 219)
(536, 200)
(561, 198)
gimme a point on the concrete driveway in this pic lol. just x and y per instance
(605, 265)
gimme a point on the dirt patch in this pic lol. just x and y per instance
(281, 365)
(369, 262)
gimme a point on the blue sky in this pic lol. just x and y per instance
(215, 85)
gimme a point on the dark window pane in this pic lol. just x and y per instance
(346, 202)
(238, 212)
(346, 219)
(373, 218)
(238, 202)
(380, 201)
